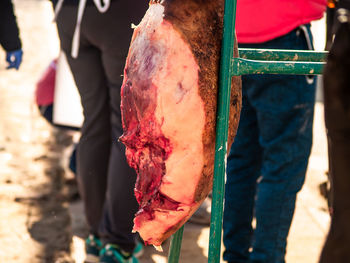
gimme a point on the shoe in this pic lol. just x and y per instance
(113, 254)
(138, 250)
(93, 245)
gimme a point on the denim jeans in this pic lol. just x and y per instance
(268, 159)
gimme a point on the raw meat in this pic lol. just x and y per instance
(169, 97)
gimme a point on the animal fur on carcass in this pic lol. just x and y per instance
(169, 99)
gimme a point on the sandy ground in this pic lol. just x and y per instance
(34, 216)
(39, 222)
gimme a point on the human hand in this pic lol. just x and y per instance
(14, 58)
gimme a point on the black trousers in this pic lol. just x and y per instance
(105, 180)
(337, 120)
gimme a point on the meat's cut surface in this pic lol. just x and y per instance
(169, 98)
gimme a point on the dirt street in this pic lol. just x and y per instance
(41, 222)
(34, 217)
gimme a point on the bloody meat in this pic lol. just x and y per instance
(169, 98)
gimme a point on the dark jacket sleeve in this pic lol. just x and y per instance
(9, 32)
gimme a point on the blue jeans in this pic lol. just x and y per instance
(268, 160)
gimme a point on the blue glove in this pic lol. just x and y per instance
(14, 58)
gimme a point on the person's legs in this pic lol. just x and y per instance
(121, 204)
(337, 120)
(94, 146)
(286, 137)
(112, 34)
(243, 169)
(105, 179)
(285, 107)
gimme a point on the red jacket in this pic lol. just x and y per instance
(258, 21)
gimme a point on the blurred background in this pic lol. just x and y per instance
(41, 216)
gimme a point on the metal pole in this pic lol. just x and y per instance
(283, 55)
(246, 66)
(175, 246)
(222, 131)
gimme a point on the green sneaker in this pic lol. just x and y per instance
(93, 245)
(138, 250)
(113, 254)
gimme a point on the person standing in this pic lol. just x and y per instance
(336, 81)
(98, 36)
(9, 35)
(268, 160)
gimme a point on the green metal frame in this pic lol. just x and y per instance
(275, 61)
(282, 55)
(250, 61)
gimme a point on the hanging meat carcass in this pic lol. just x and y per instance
(169, 99)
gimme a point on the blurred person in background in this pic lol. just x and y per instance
(336, 82)
(268, 160)
(96, 35)
(9, 35)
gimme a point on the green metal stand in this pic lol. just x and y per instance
(175, 246)
(223, 109)
(275, 61)
(250, 61)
